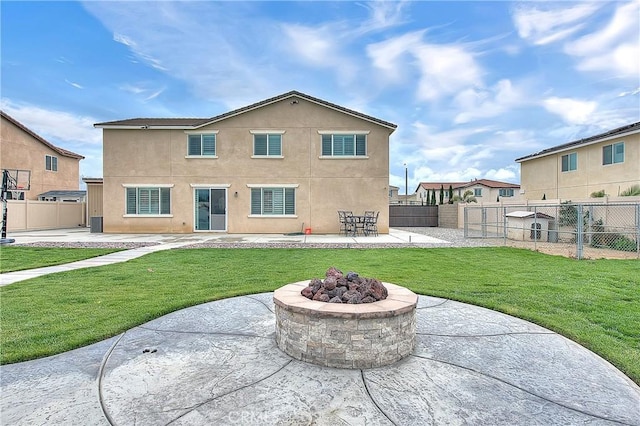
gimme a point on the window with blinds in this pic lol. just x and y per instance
(344, 145)
(273, 201)
(148, 201)
(267, 145)
(203, 145)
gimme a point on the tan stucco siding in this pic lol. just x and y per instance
(544, 176)
(323, 185)
(20, 150)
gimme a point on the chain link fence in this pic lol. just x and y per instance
(578, 229)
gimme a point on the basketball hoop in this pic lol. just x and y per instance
(15, 195)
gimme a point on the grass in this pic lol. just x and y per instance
(19, 258)
(593, 302)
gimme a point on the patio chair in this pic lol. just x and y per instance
(346, 225)
(371, 223)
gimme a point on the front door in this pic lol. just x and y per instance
(211, 209)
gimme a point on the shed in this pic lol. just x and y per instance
(526, 226)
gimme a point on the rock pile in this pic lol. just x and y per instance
(349, 288)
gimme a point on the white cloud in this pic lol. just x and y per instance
(615, 48)
(630, 93)
(478, 103)
(317, 47)
(571, 110)
(140, 89)
(443, 68)
(76, 85)
(392, 57)
(384, 14)
(544, 24)
(55, 125)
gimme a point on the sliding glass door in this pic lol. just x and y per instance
(211, 209)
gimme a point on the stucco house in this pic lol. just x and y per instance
(276, 166)
(608, 161)
(485, 190)
(52, 168)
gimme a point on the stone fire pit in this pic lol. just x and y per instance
(345, 335)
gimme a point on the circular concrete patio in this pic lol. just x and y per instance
(218, 363)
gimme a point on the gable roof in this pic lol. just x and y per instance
(195, 123)
(459, 185)
(526, 214)
(624, 130)
(39, 138)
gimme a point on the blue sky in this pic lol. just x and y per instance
(471, 85)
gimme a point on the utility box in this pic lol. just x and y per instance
(96, 224)
(528, 226)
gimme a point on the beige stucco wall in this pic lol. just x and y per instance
(20, 150)
(324, 185)
(544, 176)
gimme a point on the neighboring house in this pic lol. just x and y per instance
(51, 168)
(485, 190)
(609, 161)
(277, 166)
(64, 196)
(393, 194)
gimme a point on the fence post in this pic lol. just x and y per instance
(504, 226)
(535, 228)
(638, 229)
(466, 223)
(484, 222)
(579, 230)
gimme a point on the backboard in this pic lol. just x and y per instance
(16, 180)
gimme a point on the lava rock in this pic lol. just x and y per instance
(335, 300)
(334, 272)
(307, 292)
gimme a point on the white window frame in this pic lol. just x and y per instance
(355, 134)
(157, 186)
(268, 133)
(568, 157)
(477, 192)
(613, 146)
(202, 133)
(274, 186)
(51, 163)
(506, 192)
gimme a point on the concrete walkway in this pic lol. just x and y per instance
(217, 363)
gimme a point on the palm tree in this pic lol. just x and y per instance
(467, 197)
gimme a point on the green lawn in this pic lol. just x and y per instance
(594, 302)
(18, 258)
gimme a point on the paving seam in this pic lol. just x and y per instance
(211, 333)
(366, 389)
(195, 407)
(525, 390)
(433, 306)
(103, 364)
(509, 333)
(260, 301)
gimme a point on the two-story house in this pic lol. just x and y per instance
(277, 166)
(51, 168)
(608, 161)
(484, 190)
